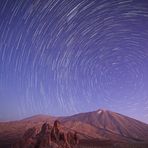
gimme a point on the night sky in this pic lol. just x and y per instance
(62, 57)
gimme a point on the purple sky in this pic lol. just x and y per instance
(62, 57)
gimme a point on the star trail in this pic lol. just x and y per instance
(62, 57)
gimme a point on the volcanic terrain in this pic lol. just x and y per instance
(101, 128)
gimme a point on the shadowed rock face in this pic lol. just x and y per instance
(43, 138)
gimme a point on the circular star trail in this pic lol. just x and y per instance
(62, 57)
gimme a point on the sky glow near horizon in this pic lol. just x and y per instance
(62, 57)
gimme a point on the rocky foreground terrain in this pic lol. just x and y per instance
(98, 129)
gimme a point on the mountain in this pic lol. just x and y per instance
(100, 125)
(108, 125)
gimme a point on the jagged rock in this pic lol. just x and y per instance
(43, 137)
(48, 137)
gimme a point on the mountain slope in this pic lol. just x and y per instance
(107, 124)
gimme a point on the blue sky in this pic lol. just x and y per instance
(65, 57)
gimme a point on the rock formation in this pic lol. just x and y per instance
(47, 137)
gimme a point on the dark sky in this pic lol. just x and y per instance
(62, 57)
